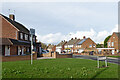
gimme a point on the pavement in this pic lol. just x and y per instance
(109, 59)
(45, 58)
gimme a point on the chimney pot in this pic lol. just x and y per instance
(12, 16)
(75, 37)
(71, 38)
(84, 37)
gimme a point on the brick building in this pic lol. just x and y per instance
(69, 46)
(15, 37)
(61, 46)
(85, 44)
(114, 42)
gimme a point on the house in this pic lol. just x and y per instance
(61, 46)
(69, 46)
(85, 44)
(15, 37)
(114, 42)
(51, 48)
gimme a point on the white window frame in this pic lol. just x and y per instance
(108, 44)
(21, 35)
(112, 43)
(26, 37)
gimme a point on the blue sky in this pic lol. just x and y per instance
(54, 21)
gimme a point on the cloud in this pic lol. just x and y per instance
(57, 37)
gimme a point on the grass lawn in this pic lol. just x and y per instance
(58, 68)
(114, 56)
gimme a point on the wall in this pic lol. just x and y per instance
(8, 30)
(18, 58)
(13, 50)
(56, 55)
(46, 55)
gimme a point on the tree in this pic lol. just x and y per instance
(105, 41)
(43, 45)
(99, 45)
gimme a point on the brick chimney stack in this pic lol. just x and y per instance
(12, 16)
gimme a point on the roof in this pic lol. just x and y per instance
(72, 42)
(5, 41)
(19, 42)
(61, 43)
(81, 42)
(8, 41)
(117, 33)
(17, 25)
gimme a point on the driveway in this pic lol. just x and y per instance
(109, 59)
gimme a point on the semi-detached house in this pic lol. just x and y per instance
(15, 37)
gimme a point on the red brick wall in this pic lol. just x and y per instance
(13, 50)
(18, 58)
(8, 30)
(56, 55)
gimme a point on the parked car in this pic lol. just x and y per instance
(63, 52)
(91, 53)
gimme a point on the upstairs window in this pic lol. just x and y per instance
(21, 35)
(26, 37)
(108, 43)
(112, 43)
(90, 45)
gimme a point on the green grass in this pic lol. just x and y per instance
(58, 68)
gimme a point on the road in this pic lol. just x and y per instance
(109, 59)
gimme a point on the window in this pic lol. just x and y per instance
(26, 37)
(112, 43)
(108, 43)
(93, 45)
(21, 35)
(90, 45)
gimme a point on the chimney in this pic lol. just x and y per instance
(75, 37)
(84, 37)
(71, 38)
(12, 16)
(64, 40)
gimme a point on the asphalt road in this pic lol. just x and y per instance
(109, 59)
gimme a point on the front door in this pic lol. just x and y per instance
(7, 50)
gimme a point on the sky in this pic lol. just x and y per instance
(56, 21)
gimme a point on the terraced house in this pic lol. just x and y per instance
(15, 37)
(114, 42)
